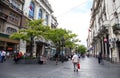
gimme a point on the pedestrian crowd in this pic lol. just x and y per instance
(5, 55)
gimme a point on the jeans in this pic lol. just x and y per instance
(75, 66)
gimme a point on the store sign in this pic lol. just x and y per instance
(9, 48)
(105, 39)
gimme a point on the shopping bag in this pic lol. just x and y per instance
(78, 65)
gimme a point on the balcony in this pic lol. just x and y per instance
(3, 16)
(4, 2)
(16, 9)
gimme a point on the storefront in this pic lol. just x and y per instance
(8, 44)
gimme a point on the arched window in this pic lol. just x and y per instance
(31, 10)
(40, 14)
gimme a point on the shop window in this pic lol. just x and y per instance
(31, 10)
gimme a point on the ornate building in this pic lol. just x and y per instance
(105, 32)
(40, 9)
(11, 16)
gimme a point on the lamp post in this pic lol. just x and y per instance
(62, 40)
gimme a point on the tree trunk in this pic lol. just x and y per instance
(31, 46)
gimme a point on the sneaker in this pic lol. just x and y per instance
(74, 70)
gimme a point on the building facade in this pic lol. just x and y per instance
(11, 16)
(104, 34)
(40, 9)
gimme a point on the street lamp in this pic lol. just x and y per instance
(62, 40)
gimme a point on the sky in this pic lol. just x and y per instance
(73, 15)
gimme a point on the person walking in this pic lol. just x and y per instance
(75, 61)
(3, 54)
(100, 61)
(56, 58)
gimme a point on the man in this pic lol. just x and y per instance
(100, 59)
(75, 61)
(56, 58)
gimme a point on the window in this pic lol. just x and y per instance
(11, 30)
(40, 14)
(1, 26)
(31, 10)
(16, 3)
(13, 17)
(46, 19)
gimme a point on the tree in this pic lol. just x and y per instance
(35, 28)
(82, 49)
(57, 34)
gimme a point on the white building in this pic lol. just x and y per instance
(105, 29)
(38, 9)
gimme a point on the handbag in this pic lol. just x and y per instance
(78, 65)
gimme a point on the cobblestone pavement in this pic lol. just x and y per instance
(89, 69)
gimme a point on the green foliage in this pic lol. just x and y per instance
(35, 28)
(82, 49)
(57, 34)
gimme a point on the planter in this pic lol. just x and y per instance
(28, 60)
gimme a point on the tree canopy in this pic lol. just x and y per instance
(35, 28)
(82, 49)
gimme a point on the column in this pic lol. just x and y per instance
(49, 20)
(44, 16)
(43, 49)
(22, 46)
(36, 11)
(26, 7)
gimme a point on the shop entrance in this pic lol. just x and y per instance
(38, 50)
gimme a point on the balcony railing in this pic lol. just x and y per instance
(6, 2)
(16, 9)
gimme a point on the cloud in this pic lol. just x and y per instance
(73, 15)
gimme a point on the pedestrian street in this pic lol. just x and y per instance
(89, 69)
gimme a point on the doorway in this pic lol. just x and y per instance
(118, 46)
